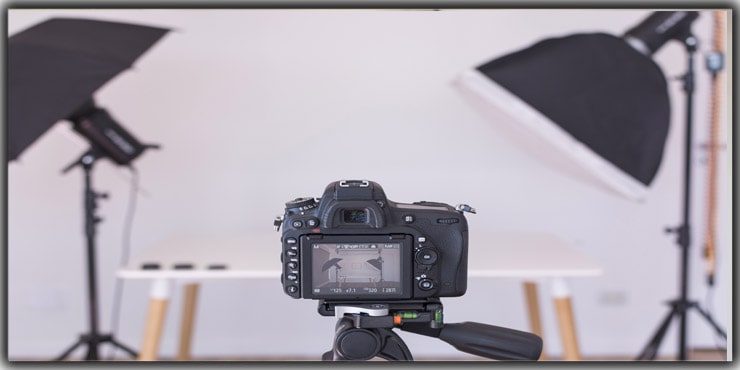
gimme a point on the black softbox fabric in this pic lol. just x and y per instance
(54, 68)
(600, 90)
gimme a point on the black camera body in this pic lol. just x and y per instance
(354, 244)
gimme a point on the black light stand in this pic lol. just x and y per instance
(681, 306)
(54, 69)
(108, 139)
(93, 338)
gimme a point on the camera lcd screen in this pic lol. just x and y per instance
(354, 216)
(356, 269)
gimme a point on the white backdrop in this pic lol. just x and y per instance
(256, 107)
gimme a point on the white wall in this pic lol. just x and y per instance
(255, 107)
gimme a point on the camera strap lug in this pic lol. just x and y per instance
(277, 222)
(464, 208)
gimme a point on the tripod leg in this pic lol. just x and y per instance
(651, 349)
(124, 347)
(69, 350)
(711, 321)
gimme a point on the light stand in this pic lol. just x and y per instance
(681, 306)
(54, 69)
(601, 101)
(108, 139)
(93, 338)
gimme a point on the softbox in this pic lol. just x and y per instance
(593, 104)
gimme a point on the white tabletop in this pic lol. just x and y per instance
(248, 257)
(526, 254)
(257, 256)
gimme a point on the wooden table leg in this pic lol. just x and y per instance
(533, 308)
(158, 298)
(564, 310)
(187, 324)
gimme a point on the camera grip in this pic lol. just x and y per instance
(492, 341)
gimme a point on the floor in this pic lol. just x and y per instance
(694, 355)
(707, 355)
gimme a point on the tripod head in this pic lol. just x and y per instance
(364, 331)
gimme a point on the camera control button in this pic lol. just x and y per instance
(292, 277)
(292, 253)
(422, 239)
(297, 224)
(408, 219)
(293, 265)
(292, 289)
(291, 241)
(426, 256)
(424, 284)
(312, 222)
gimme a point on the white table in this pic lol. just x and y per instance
(523, 255)
(210, 258)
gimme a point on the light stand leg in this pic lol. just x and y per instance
(651, 349)
(69, 350)
(711, 321)
(125, 348)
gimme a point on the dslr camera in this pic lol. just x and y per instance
(354, 244)
(377, 265)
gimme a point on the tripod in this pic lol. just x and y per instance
(94, 338)
(365, 331)
(682, 305)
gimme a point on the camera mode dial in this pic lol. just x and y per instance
(301, 204)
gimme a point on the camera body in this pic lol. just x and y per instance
(354, 244)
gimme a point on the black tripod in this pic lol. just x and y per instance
(681, 306)
(94, 338)
(365, 331)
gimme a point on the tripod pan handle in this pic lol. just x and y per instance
(492, 341)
